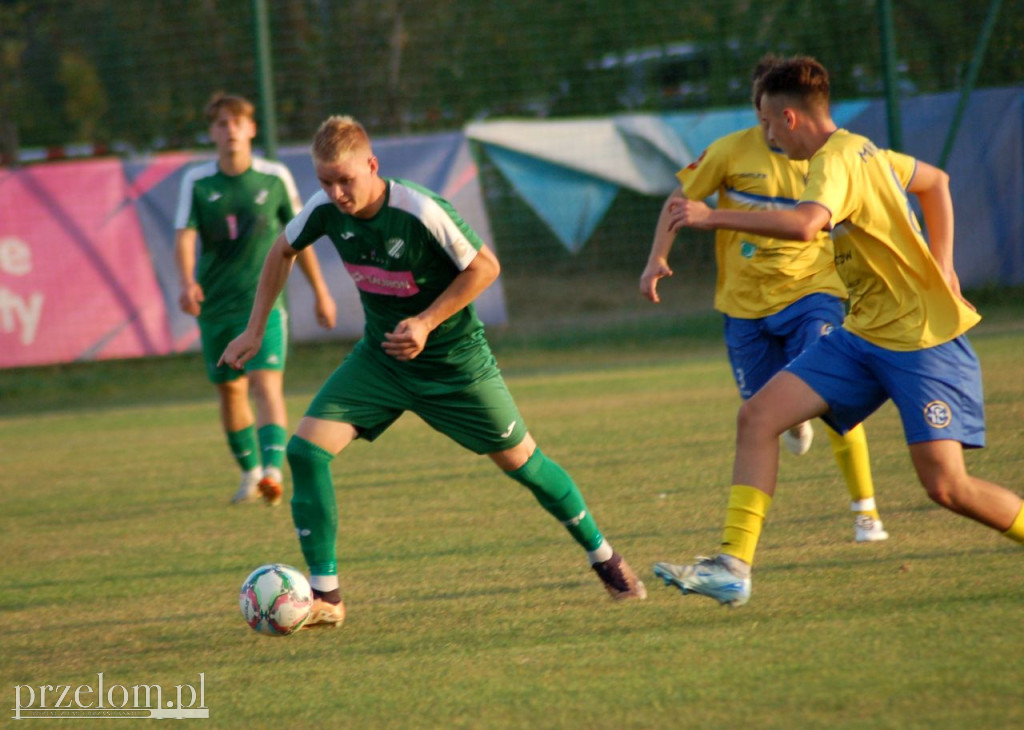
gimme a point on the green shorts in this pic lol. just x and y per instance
(215, 337)
(369, 393)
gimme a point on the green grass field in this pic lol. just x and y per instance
(469, 607)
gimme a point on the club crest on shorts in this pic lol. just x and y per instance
(938, 414)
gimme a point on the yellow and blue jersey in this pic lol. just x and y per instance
(759, 276)
(899, 298)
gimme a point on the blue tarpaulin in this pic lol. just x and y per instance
(569, 171)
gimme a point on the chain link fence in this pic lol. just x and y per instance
(130, 78)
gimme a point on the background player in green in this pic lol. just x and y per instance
(904, 338)
(418, 268)
(776, 296)
(236, 206)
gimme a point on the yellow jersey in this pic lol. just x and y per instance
(759, 276)
(899, 298)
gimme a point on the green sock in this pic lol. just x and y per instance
(272, 444)
(314, 505)
(559, 495)
(243, 447)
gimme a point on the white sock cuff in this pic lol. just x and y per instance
(324, 583)
(603, 552)
(864, 505)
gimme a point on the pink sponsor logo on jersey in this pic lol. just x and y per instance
(374, 280)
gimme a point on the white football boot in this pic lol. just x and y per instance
(708, 577)
(799, 438)
(249, 489)
(867, 529)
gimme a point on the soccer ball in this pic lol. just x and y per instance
(275, 600)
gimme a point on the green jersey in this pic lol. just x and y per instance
(401, 260)
(238, 217)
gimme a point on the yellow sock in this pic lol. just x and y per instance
(743, 521)
(1016, 531)
(851, 453)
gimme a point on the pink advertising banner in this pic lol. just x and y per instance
(76, 279)
(87, 269)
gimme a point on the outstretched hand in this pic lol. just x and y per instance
(954, 283)
(191, 299)
(240, 350)
(684, 213)
(326, 312)
(654, 271)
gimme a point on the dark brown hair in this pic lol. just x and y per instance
(760, 69)
(801, 78)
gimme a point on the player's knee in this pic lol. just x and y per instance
(234, 392)
(305, 457)
(297, 452)
(753, 418)
(944, 490)
(266, 390)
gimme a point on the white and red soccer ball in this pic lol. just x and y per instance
(275, 600)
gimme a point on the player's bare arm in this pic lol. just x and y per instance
(410, 335)
(191, 297)
(657, 261)
(323, 305)
(802, 223)
(273, 277)
(931, 186)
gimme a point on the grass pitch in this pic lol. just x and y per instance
(469, 607)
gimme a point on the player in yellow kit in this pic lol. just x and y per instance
(777, 296)
(903, 338)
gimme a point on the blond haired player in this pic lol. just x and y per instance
(418, 268)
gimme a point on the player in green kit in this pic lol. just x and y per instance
(418, 268)
(236, 206)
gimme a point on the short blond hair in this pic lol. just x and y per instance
(236, 106)
(338, 137)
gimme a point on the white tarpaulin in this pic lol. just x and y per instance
(569, 171)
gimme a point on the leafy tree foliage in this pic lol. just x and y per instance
(139, 73)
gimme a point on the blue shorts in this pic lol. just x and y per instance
(937, 390)
(759, 348)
